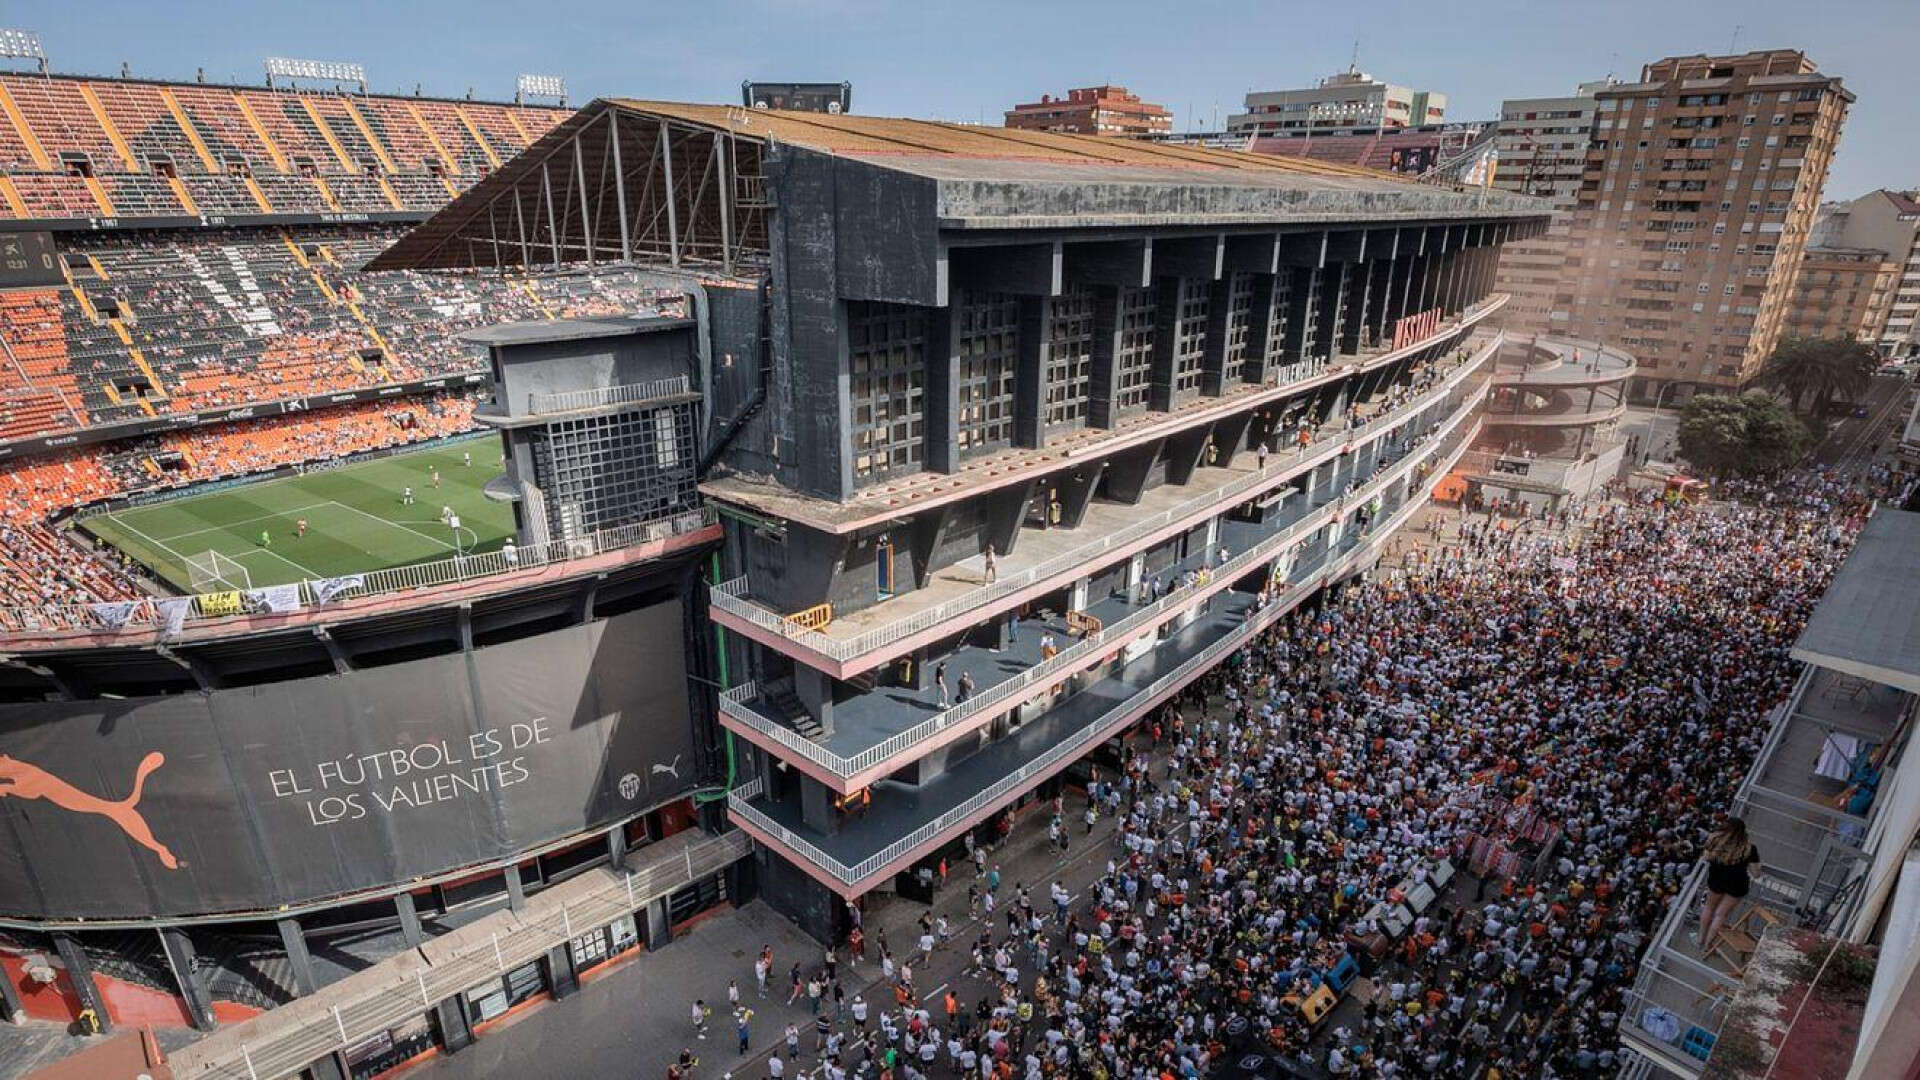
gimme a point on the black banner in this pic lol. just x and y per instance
(253, 798)
(151, 425)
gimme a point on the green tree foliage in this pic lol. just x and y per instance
(1814, 371)
(1749, 435)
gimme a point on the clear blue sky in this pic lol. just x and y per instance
(969, 61)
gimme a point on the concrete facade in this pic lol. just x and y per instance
(1347, 100)
(1842, 293)
(1887, 221)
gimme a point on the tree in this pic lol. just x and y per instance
(1751, 434)
(1812, 371)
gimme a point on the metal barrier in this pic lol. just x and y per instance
(733, 703)
(309, 1029)
(733, 596)
(1336, 566)
(629, 394)
(162, 613)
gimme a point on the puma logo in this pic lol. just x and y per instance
(672, 770)
(22, 780)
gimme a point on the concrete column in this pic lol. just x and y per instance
(1353, 317)
(294, 940)
(1136, 572)
(943, 387)
(409, 920)
(1103, 390)
(815, 691)
(331, 1067)
(516, 888)
(1266, 330)
(455, 1033)
(617, 847)
(1077, 594)
(658, 922)
(1385, 274)
(12, 1009)
(179, 952)
(1214, 375)
(80, 974)
(1300, 342)
(562, 979)
(816, 805)
(1166, 342)
(1030, 374)
(1333, 287)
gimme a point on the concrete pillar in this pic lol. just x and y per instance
(455, 1033)
(562, 979)
(293, 939)
(1136, 572)
(1214, 375)
(179, 952)
(1353, 316)
(1030, 374)
(409, 920)
(617, 847)
(1333, 288)
(12, 1010)
(816, 802)
(80, 974)
(1167, 293)
(516, 888)
(815, 691)
(1103, 390)
(943, 387)
(659, 925)
(331, 1067)
(1077, 594)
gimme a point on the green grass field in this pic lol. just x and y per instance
(356, 520)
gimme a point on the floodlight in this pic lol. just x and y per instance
(552, 86)
(336, 71)
(22, 43)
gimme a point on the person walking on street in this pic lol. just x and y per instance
(700, 1014)
(741, 1018)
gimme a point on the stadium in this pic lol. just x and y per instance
(502, 534)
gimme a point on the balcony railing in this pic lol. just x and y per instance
(569, 400)
(733, 703)
(739, 804)
(731, 596)
(318, 594)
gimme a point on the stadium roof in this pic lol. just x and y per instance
(1868, 624)
(626, 180)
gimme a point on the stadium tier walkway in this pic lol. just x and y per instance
(291, 1037)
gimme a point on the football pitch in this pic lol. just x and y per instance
(356, 519)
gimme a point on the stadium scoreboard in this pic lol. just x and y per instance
(28, 258)
(833, 98)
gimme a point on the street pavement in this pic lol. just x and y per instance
(634, 1020)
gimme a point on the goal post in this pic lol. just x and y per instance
(210, 569)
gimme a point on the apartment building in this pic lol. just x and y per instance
(1541, 150)
(1351, 100)
(1887, 221)
(1092, 110)
(1842, 293)
(1701, 184)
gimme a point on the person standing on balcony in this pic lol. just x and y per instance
(940, 680)
(1731, 856)
(993, 565)
(966, 687)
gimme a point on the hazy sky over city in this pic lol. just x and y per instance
(969, 61)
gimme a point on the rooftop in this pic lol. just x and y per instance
(1865, 624)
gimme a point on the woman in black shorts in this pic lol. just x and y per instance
(1730, 857)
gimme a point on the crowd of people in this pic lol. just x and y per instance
(1607, 674)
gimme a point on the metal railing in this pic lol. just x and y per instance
(733, 703)
(738, 801)
(321, 593)
(306, 1030)
(732, 596)
(631, 393)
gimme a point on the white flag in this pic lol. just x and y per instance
(275, 598)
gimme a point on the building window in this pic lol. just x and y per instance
(1189, 338)
(1069, 358)
(887, 359)
(989, 348)
(1133, 361)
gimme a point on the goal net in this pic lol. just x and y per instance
(210, 570)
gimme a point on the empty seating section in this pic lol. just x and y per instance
(362, 194)
(293, 194)
(53, 195)
(64, 122)
(224, 128)
(293, 131)
(443, 119)
(419, 192)
(142, 196)
(139, 112)
(393, 123)
(145, 143)
(497, 127)
(220, 194)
